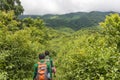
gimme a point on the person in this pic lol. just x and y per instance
(42, 60)
(47, 56)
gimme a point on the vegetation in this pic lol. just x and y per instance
(75, 21)
(7, 5)
(18, 47)
(87, 54)
(92, 55)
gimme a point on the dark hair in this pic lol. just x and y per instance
(47, 53)
(41, 56)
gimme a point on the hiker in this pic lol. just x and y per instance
(42, 69)
(47, 57)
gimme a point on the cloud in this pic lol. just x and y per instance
(67, 6)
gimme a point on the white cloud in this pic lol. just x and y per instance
(67, 6)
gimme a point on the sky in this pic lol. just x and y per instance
(41, 7)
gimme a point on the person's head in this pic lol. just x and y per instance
(41, 56)
(47, 53)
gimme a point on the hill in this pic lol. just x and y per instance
(86, 54)
(75, 21)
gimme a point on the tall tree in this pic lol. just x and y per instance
(7, 5)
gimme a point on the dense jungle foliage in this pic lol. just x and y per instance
(87, 54)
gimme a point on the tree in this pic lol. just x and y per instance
(15, 5)
(111, 24)
(19, 47)
(111, 27)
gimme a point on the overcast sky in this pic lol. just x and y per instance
(41, 7)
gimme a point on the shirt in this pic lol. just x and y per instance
(51, 61)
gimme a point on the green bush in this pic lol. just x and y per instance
(18, 48)
(88, 54)
(91, 56)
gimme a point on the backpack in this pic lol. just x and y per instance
(42, 73)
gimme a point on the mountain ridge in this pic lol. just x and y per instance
(75, 20)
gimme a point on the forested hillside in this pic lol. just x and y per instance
(86, 54)
(75, 21)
